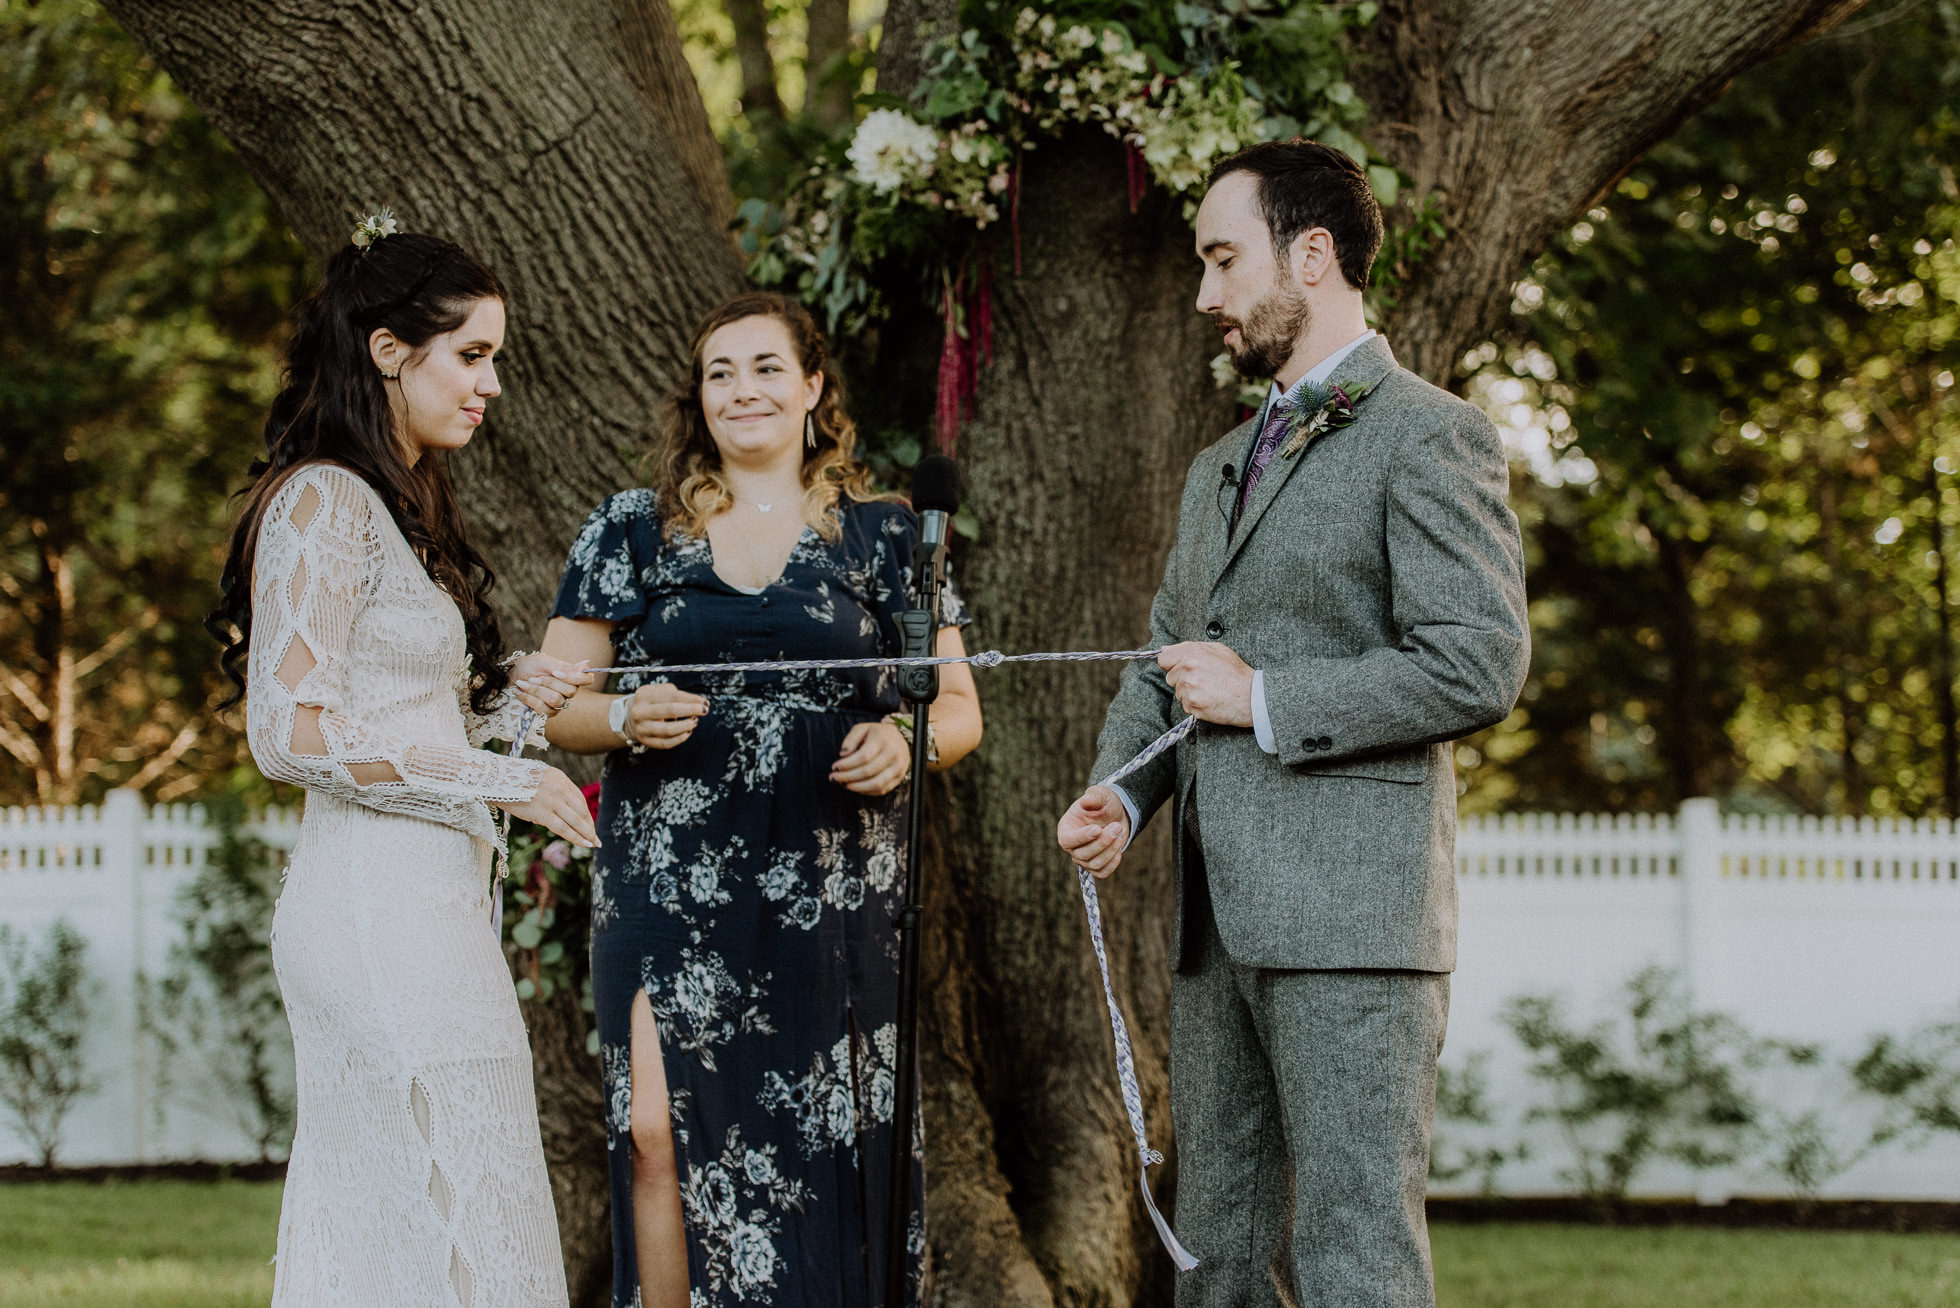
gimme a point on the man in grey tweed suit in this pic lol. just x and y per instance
(1344, 599)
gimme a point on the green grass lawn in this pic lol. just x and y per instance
(146, 1244)
(174, 1244)
(1505, 1265)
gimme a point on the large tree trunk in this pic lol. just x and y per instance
(559, 141)
(1099, 396)
(567, 146)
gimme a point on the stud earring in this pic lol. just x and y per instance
(389, 374)
(809, 429)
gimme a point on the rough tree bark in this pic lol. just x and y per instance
(562, 142)
(566, 145)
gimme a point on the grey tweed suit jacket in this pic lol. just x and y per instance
(1377, 580)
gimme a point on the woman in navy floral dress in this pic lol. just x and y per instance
(744, 953)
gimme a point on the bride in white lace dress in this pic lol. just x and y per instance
(417, 1177)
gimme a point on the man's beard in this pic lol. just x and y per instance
(1268, 334)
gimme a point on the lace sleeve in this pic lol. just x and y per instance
(501, 722)
(316, 555)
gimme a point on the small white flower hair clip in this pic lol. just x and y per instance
(373, 227)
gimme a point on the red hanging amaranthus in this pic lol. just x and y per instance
(1137, 170)
(967, 316)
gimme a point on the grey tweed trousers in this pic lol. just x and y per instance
(1309, 1092)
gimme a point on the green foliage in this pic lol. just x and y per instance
(1672, 1083)
(1670, 1086)
(1732, 386)
(145, 277)
(1918, 1078)
(44, 1011)
(1462, 1097)
(919, 187)
(219, 1003)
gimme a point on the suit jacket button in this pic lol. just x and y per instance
(1309, 745)
(1326, 742)
(1213, 630)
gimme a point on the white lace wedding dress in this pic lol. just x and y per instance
(417, 1178)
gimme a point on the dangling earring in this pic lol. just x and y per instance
(809, 429)
(389, 374)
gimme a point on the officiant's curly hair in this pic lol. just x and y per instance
(1303, 185)
(332, 407)
(684, 468)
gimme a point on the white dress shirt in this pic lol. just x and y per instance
(1262, 723)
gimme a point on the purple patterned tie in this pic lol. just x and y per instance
(1262, 454)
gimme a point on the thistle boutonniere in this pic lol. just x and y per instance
(1336, 413)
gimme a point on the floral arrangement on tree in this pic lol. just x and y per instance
(933, 181)
(547, 911)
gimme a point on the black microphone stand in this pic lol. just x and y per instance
(919, 687)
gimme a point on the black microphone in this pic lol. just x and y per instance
(936, 498)
(1228, 479)
(1230, 475)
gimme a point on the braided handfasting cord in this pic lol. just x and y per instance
(1126, 1073)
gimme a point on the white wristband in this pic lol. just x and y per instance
(616, 717)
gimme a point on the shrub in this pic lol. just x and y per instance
(219, 1001)
(44, 1003)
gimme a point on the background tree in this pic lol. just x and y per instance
(143, 275)
(569, 146)
(1735, 380)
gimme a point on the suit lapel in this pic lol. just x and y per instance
(1361, 370)
(1215, 525)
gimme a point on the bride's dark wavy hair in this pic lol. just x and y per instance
(333, 408)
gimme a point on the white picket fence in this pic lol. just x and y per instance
(114, 873)
(1826, 931)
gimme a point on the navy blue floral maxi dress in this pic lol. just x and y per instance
(754, 899)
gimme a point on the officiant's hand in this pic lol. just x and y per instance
(873, 760)
(1094, 830)
(663, 715)
(1212, 683)
(545, 684)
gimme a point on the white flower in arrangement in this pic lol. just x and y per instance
(1112, 41)
(891, 148)
(1024, 22)
(1046, 27)
(1223, 374)
(1079, 36)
